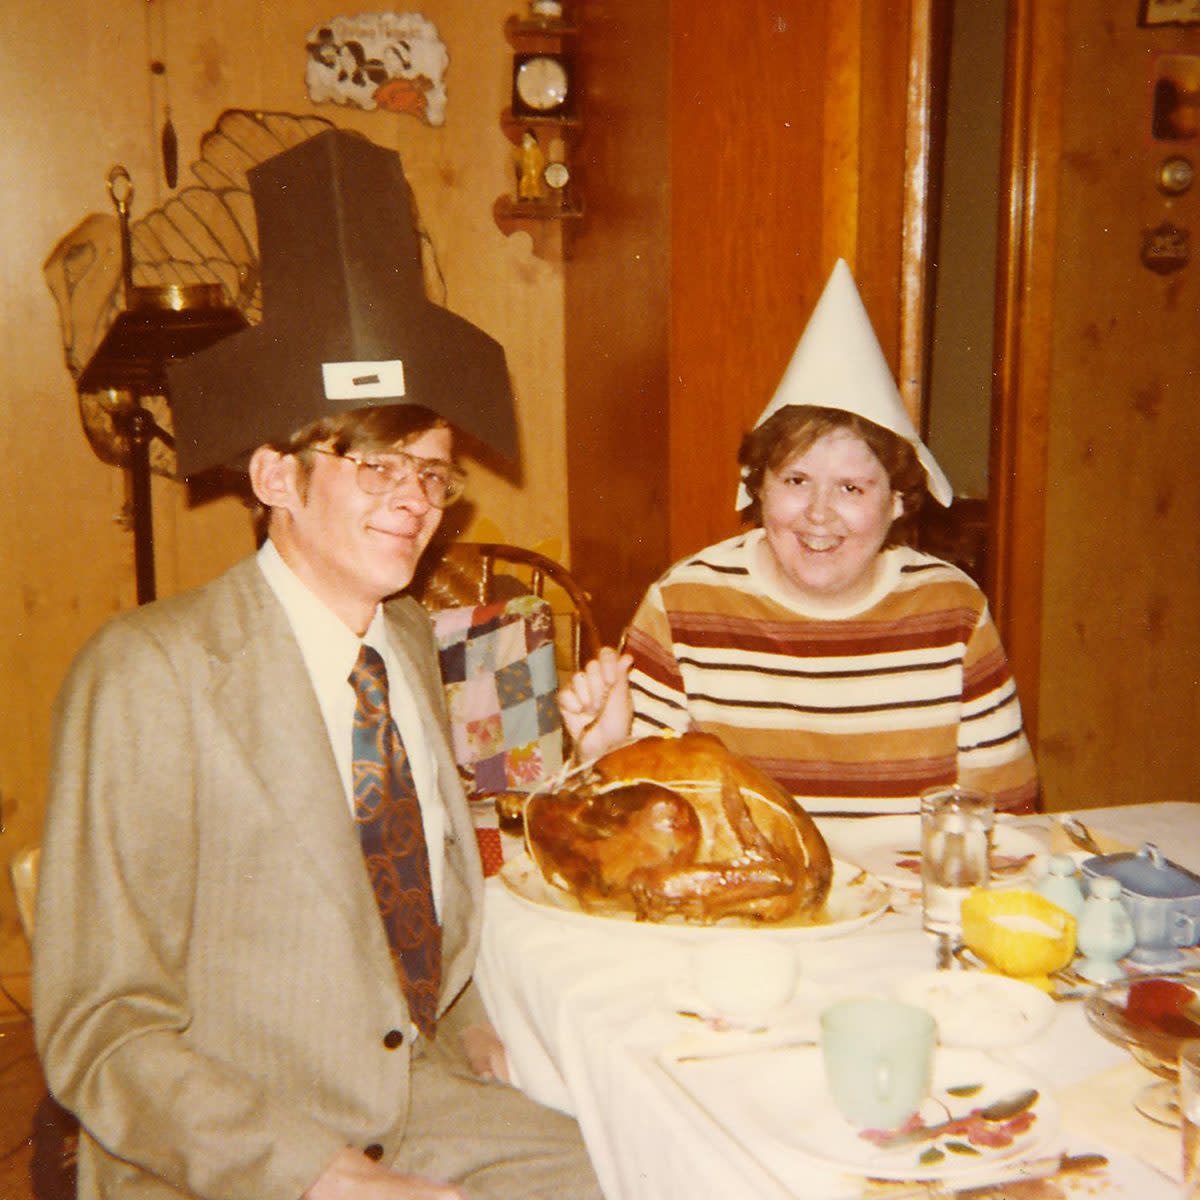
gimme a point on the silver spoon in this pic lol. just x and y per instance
(1080, 834)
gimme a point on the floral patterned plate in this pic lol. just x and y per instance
(793, 1105)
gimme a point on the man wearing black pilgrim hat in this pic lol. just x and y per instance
(248, 777)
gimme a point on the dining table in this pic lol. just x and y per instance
(601, 1020)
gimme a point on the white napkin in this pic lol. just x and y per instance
(1101, 1109)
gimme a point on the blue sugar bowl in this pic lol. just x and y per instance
(1161, 897)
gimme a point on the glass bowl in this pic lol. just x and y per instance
(1151, 1016)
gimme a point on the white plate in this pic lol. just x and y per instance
(979, 1010)
(890, 849)
(790, 1102)
(855, 899)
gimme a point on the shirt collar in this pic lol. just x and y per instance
(329, 646)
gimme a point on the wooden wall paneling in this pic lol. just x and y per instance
(885, 59)
(746, 109)
(841, 129)
(66, 563)
(616, 310)
(1024, 316)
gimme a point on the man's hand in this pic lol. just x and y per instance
(353, 1176)
(485, 1052)
(596, 706)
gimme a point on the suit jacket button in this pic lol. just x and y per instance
(393, 1038)
(374, 1151)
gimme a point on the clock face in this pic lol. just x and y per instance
(556, 175)
(541, 85)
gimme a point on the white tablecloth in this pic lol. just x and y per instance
(586, 1009)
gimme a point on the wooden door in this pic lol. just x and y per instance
(1094, 487)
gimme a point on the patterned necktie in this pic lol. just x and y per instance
(393, 841)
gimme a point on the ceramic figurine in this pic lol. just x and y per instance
(1060, 886)
(1105, 934)
(530, 164)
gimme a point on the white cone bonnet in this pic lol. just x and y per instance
(838, 363)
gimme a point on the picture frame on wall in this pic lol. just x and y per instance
(1169, 12)
(1175, 104)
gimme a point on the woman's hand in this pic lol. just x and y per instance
(485, 1053)
(596, 706)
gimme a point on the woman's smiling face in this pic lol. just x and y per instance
(826, 513)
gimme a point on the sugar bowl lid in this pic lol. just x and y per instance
(1146, 873)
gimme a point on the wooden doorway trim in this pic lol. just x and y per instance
(920, 201)
(1024, 334)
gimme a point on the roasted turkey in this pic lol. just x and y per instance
(680, 827)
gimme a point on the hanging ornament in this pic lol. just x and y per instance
(170, 150)
(168, 141)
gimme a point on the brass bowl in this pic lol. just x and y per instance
(177, 297)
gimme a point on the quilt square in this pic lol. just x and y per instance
(484, 738)
(453, 657)
(491, 774)
(477, 698)
(526, 765)
(514, 685)
(549, 719)
(519, 722)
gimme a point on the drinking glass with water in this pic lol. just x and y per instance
(956, 836)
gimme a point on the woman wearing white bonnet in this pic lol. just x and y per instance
(854, 669)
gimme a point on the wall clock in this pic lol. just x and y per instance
(541, 85)
(557, 175)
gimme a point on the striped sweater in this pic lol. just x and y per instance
(860, 710)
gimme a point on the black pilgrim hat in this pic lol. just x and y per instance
(346, 322)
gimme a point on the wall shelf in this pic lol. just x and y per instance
(565, 127)
(545, 196)
(525, 31)
(508, 209)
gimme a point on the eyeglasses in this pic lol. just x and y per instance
(441, 482)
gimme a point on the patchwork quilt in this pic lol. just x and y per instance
(501, 683)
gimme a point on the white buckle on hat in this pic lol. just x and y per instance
(365, 380)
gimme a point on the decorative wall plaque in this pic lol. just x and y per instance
(1175, 108)
(1165, 248)
(393, 61)
(1169, 12)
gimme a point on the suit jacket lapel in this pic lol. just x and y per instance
(262, 689)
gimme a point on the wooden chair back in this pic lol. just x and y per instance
(23, 871)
